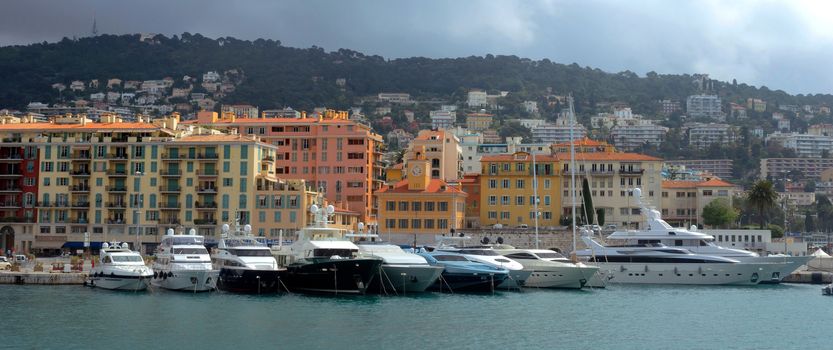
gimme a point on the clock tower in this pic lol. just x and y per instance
(419, 170)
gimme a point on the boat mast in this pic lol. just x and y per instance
(535, 195)
(572, 169)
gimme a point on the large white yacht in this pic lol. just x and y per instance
(323, 261)
(246, 265)
(120, 268)
(484, 254)
(549, 269)
(183, 263)
(659, 231)
(401, 271)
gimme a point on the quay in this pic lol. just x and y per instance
(48, 278)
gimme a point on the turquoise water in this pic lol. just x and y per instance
(622, 317)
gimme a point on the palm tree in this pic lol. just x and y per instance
(762, 196)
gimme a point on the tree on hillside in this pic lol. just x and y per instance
(719, 213)
(762, 196)
(513, 128)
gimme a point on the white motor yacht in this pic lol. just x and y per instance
(484, 254)
(401, 270)
(120, 268)
(550, 269)
(183, 263)
(659, 231)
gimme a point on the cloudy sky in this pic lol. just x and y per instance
(781, 44)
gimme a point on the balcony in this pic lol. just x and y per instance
(9, 158)
(170, 172)
(117, 156)
(205, 222)
(9, 205)
(170, 206)
(631, 172)
(206, 189)
(207, 157)
(176, 157)
(116, 205)
(15, 219)
(80, 173)
(209, 206)
(207, 173)
(268, 159)
(116, 222)
(117, 173)
(79, 188)
(81, 205)
(10, 189)
(602, 172)
(169, 221)
(79, 221)
(14, 173)
(80, 156)
(116, 189)
(170, 189)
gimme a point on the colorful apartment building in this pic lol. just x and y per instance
(332, 153)
(420, 204)
(507, 190)
(443, 150)
(133, 181)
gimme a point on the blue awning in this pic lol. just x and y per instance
(80, 245)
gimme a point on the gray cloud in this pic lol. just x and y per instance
(780, 44)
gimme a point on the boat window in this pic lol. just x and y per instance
(520, 256)
(503, 260)
(250, 252)
(552, 255)
(190, 251)
(487, 252)
(126, 258)
(703, 243)
(678, 243)
(345, 253)
(187, 240)
(450, 258)
(108, 259)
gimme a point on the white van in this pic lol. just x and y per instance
(20, 259)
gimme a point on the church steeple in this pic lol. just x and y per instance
(419, 170)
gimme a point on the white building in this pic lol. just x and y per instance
(631, 137)
(531, 107)
(395, 97)
(473, 149)
(804, 145)
(705, 106)
(442, 119)
(530, 123)
(477, 98)
(784, 125)
(211, 77)
(704, 135)
(558, 132)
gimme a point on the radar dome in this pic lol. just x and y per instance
(125, 245)
(105, 245)
(637, 192)
(247, 228)
(170, 232)
(192, 232)
(225, 227)
(331, 209)
(313, 208)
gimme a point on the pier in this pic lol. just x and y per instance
(42, 278)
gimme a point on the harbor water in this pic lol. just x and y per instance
(623, 317)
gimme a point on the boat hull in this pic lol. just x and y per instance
(570, 277)
(783, 266)
(333, 276)
(115, 282)
(251, 281)
(407, 278)
(692, 274)
(516, 280)
(466, 281)
(186, 280)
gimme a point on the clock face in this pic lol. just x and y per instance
(416, 170)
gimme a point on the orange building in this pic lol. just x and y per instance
(335, 154)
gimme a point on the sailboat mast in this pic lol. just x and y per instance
(572, 169)
(535, 195)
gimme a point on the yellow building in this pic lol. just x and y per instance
(420, 204)
(478, 121)
(507, 192)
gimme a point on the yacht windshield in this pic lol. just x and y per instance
(250, 252)
(450, 258)
(127, 258)
(478, 252)
(190, 251)
(190, 240)
(332, 252)
(552, 255)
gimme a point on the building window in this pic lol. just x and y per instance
(403, 223)
(429, 206)
(390, 206)
(519, 200)
(519, 184)
(416, 223)
(442, 206)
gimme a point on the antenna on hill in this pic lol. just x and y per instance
(95, 26)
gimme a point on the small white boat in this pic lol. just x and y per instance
(120, 268)
(550, 269)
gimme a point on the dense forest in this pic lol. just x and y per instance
(278, 76)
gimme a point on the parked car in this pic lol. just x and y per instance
(4, 263)
(523, 226)
(20, 259)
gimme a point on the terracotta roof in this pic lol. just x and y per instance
(511, 158)
(615, 156)
(583, 142)
(715, 182)
(87, 127)
(425, 135)
(435, 186)
(479, 115)
(216, 138)
(308, 120)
